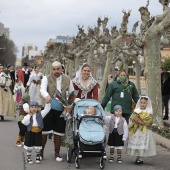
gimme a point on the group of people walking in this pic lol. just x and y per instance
(40, 112)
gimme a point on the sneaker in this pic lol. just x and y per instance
(111, 160)
(18, 144)
(29, 160)
(41, 158)
(37, 159)
(138, 161)
(59, 159)
(119, 160)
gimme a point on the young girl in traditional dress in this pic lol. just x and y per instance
(141, 142)
(118, 133)
(34, 122)
(19, 90)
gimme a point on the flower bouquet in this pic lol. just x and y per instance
(68, 101)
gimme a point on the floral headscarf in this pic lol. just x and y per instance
(85, 89)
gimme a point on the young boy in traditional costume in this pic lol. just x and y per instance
(141, 142)
(34, 122)
(118, 133)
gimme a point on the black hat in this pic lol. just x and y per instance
(9, 65)
(25, 64)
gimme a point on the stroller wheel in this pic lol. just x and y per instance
(69, 154)
(77, 162)
(102, 163)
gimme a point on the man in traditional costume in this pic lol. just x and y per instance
(53, 123)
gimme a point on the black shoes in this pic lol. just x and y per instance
(2, 117)
(138, 161)
(29, 160)
(37, 158)
(165, 118)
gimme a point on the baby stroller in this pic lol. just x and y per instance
(88, 132)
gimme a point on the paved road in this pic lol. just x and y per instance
(11, 157)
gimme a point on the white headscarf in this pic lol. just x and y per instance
(85, 89)
(148, 108)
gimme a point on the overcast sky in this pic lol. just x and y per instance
(36, 21)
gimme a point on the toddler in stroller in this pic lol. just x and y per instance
(88, 131)
(90, 111)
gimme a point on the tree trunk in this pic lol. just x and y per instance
(91, 55)
(105, 75)
(152, 71)
(71, 69)
(137, 66)
(67, 66)
(76, 66)
(125, 65)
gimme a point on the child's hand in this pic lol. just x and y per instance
(26, 107)
(138, 120)
(124, 140)
(30, 113)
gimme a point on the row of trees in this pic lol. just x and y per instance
(8, 51)
(103, 47)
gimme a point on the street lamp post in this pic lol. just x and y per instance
(133, 62)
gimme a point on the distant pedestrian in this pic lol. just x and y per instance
(34, 83)
(109, 81)
(7, 104)
(141, 142)
(19, 91)
(22, 128)
(166, 93)
(24, 74)
(13, 77)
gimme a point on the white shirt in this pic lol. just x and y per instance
(125, 126)
(44, 84)
(26, 120)
(34, 76)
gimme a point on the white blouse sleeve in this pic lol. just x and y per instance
(43, 89)
(46, 109)
(71, 87)
(107, 119)
(26, 120)
(30, 79)
(125, 131)
(15, 89)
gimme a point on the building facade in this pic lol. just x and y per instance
(4, 31)
(27, 48)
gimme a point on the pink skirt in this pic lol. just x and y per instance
(18, 98)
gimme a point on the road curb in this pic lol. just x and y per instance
(162, 141)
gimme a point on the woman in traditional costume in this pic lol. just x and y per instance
(34, 85)
(85, 83)
(7, 105)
